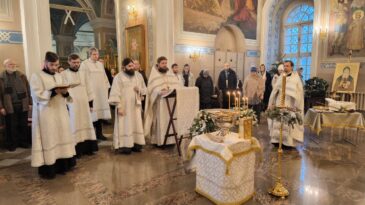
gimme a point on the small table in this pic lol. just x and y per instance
(224, 171)
(317, 120)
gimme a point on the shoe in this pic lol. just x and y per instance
(102, 138)
(125, 150)
(137, 148)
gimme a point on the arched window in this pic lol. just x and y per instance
(298, 37)
(84, 40)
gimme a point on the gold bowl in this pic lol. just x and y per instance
(225, 119)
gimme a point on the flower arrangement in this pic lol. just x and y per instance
(315, 87)
(203, 123)
(288, 116)
(248, 113)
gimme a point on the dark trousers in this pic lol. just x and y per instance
(204, 106)
(257, 109)
(98, 125)
(16, 126)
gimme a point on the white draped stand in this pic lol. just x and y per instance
(224, 171)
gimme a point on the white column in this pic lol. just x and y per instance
(36, 29)
(163, 29)
(121, 19)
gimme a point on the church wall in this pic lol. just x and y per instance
(11, 42)
(204, 41)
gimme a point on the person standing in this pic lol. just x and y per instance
(188, 77)
(253, 89)
(53, 146)
(138, 68)
(294, 99)
(277, 75)
(126, 93)
(100, 86)
(15, 101)
(160, 83)
(227, 81)
(268, 87)
(81, 107)
(175, 70)
(206, 89)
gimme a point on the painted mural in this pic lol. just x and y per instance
(346, 28)
(208, 16)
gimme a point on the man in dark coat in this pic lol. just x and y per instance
(227, 81)
(206, 89)
(15, 101)
(268, 86)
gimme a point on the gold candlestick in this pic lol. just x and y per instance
(279, 190)
(229, 100)
(239, 99)
(234, 98)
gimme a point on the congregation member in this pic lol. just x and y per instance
(140, 70)
(60, 69)
(100, 86)
(294, 98)
(126, 93)
(15, 101)
(206, 89)
(80, 109)
(253, 89)
(268, 87)
(300, 73)
(188, 77)
(176, 72)
(160, 83)
(53, 146)
(227, 82)
(276, 75)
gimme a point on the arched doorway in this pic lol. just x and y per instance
(230, 47)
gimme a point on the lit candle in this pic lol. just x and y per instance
(243, 102)
(283, 87)
(229, 100)
(234, 98)
(239, 99)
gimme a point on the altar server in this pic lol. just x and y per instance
(53, 147)
(100, 86)
(294, 98)
(125, 95)
(160, 83)
(82, 103)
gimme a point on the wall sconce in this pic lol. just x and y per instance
(194, 56)
(132, 11)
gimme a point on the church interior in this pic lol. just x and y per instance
(262, 102)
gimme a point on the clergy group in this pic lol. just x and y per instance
(69, 107)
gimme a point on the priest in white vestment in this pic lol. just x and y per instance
(82, 102)
(53, 147)
(100, 86)
(160, 83)
(127, 89)
(294, 98)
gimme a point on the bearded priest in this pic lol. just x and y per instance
(53, 146)
(126, 95)
(294, 98)
(81, 107)
(160, 83)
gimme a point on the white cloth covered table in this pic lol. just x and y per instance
(317, 120)
(224, 171)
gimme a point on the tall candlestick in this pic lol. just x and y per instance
(229, 100)
(283, 87)
(239, 99)
(234, 98)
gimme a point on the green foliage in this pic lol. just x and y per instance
(288, 117)
(315, 87)
(203, 123)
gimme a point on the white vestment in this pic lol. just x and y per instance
(156, 112)
(100, 86)
(294, 98)
(51, 132)
(80, 117)
(128, 129)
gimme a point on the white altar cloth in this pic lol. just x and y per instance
(224, 171)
